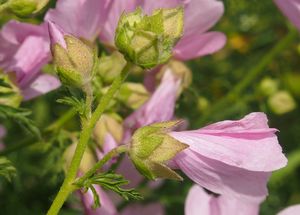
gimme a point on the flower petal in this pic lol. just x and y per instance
(201, 15)
(41, 85)
(292, 210)
(82, 18)
(200, 202)
(107, 207)
(202, 44)
(247, 143)
(152, 111)
(222, 178)
(291, 9)
(138, 209)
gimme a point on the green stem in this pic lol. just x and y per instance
(87, 128)
(249, 77)
(114, 152)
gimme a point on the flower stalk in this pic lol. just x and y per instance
(87, 129)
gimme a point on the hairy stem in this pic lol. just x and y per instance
(87, 128)
(114, 152)
(249, 77)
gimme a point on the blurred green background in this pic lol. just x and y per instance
(258, 70)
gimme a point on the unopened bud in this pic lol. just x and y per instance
(26, 7)
(268, 86)
(133, 94)
(111, 66)
(108, 124)
(148, 41)
(73, 59)
(282, 102)
(9, 94)
(151, 148)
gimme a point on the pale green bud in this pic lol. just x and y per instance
(9, 93)
(75, 63)
(151, 148)
(268, 86)
(111, 66)
(133, 95)
(108, 124)
(26, 7)
(282, 102)
(148, 41)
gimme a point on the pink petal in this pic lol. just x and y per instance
(2, 131)
(82, 18)
(200, 202)
(198, 44)
(107, 207)
(247, 143)
(222, 178)
(117, 8)
(292, 210)
(291, 9)
(16, 32)
(152, 111)
(41, 85)
(30, 57)
(150, 6)
(201, 15)
(138, 209)
(56, 35)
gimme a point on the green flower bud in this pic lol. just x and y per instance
(108, 123)
(22, 7)
(9, 94)
(133, 94)
(111, 66)
(26, 7)
(282, 102)
(152, 147)
(75, 63)
(148, 41)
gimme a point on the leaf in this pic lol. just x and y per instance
(110, 181)
(7, 170)
(19, 115)
(72, 101)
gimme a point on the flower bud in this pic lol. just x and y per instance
(111, 124)
(282, 102)
(147, 41)
(151, 148)
(111, 66)
(9, 94)
(73, 59)
(26, 7)
(133, 95)
(268, 86)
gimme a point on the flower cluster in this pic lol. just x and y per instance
(232, 159)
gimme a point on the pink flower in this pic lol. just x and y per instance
(292, 210)
(24, 50)
(200, 202)
(160, 107)
(234, 158)
(200, 16)
(81, 18)
(108, 208)
(291, 9)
